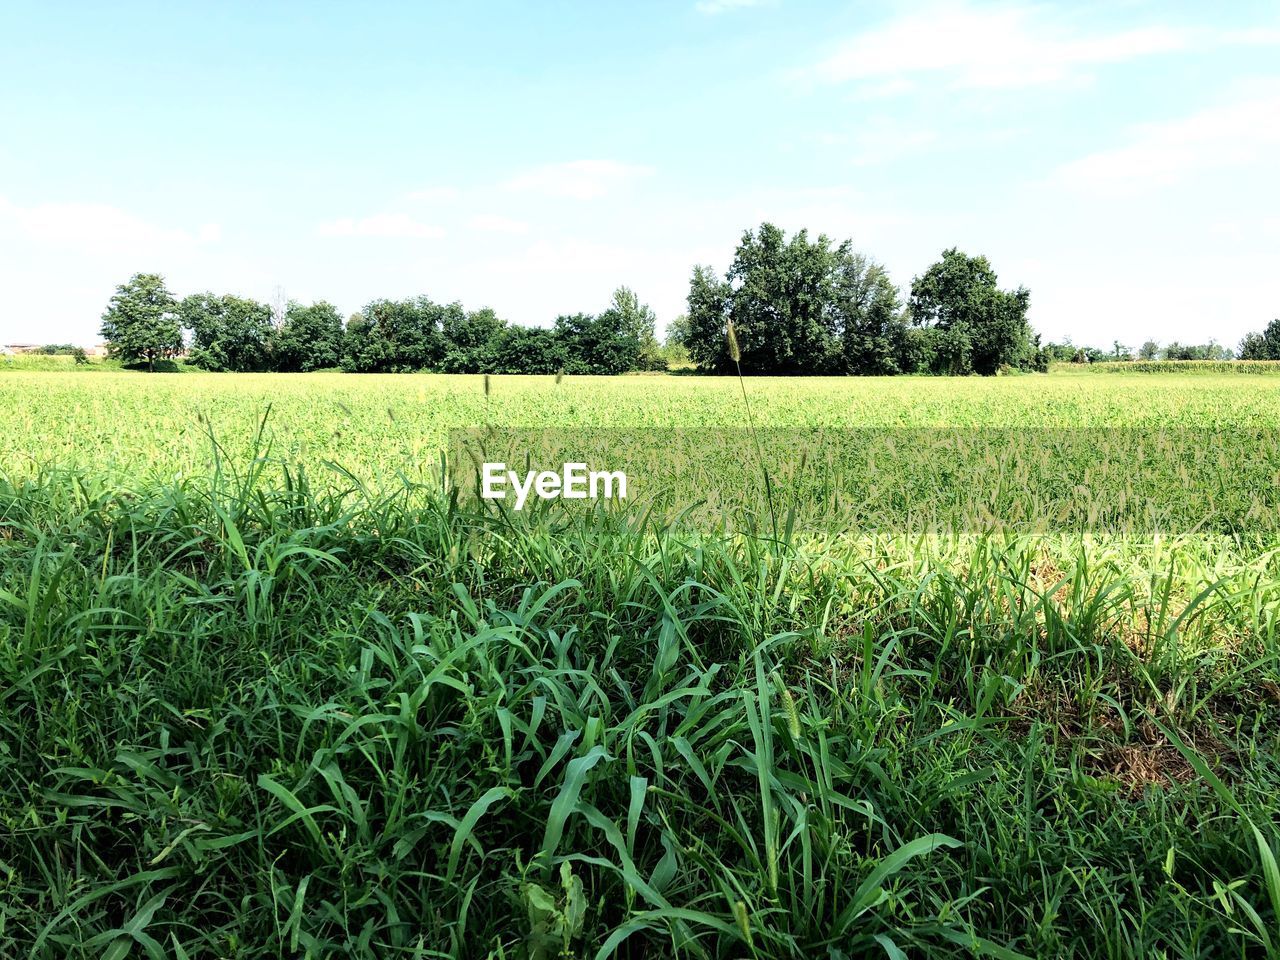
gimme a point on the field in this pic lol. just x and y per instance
(268, 688)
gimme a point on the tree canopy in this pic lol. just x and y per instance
(813, 306)
(797, 306)
(227, 332)
(310, 338)
(232, 333)
(1262, 346)
(979, 328)
(141, 323)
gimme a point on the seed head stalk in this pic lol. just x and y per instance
(735, 354)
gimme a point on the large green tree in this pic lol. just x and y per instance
(529, 350)
(310, 338)
(141, 323)
(633, 324)
(981, 327)
(395, 336)
(869, 312)
(593, 345)
(227, 332)
(781, 302)
(1262, 346)
(798, 306)
(470, 339)
(703, 334)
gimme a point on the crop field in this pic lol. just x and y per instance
(269, 687)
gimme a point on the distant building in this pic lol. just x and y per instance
(21, 347)
(97, 350)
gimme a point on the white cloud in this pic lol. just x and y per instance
(1009, 47)
(492, 223)
(577, 179)
(1238, 134)
(387, 225)
(434, 194)
(713, 7)
(83, 250)
(98, 226)
(880, 140)
(1252, 37)
(884, 89)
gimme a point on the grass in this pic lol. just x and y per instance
(251, 705)
(65, 363)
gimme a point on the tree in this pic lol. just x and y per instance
(954, 351)
(870, 313)
(986, 328)
(1041, 355)
(1191, 351)
(595, 344)
(394, 336)
(797, 306)
(470, 339)
(1216, 351)
(529, 350)
(674, 353)
(1262, 346)
(311, 338)
(677, 334)
(141, 323)
(1064, 352)
(781, 303)
(704, 333)
(1253, 347)
(919, 350)
(1149, 350)
(228, 332)
(633, 323)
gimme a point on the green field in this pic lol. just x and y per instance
(268, 689)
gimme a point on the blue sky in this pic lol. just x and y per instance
(1120, 159)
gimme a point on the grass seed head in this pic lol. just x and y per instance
(744, 923)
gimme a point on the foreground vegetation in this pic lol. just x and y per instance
(254, 704)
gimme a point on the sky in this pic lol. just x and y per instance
(1120, 159)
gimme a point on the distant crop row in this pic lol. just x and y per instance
(1191, 366)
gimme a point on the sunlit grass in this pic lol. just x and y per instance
(253, 705)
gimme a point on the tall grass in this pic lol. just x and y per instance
(250, 709)
(246, 716)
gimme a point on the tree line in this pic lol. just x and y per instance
(1067, 352)
(144, 323)
(810, 306)
(798, 305)
(1264, 345)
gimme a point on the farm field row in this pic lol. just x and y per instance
(139, 426)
